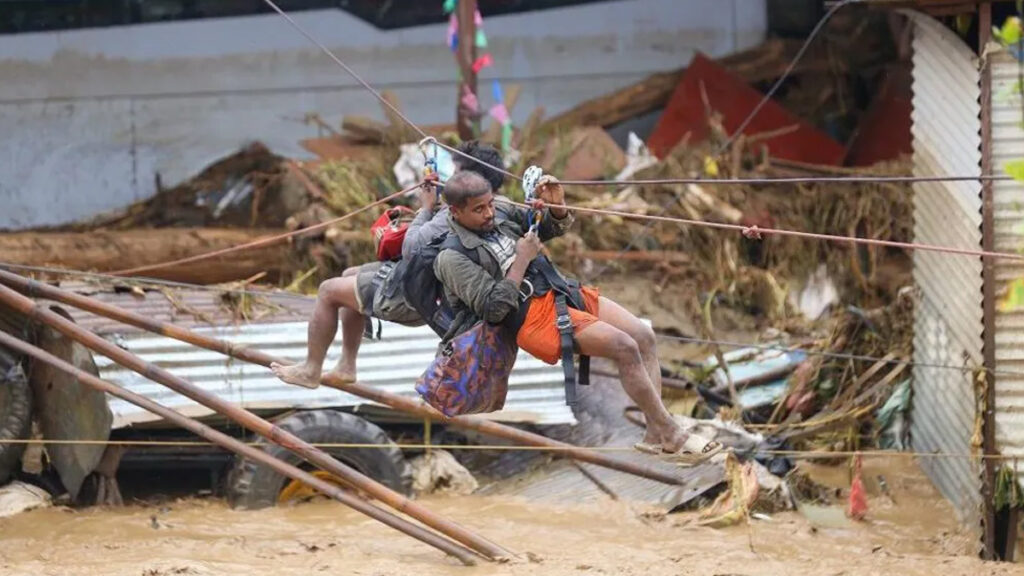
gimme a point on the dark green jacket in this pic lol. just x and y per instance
(482, 288)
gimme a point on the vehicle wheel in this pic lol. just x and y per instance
(252, 486)
(15, 413)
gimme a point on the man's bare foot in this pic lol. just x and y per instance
(297, 374)
(344, 370)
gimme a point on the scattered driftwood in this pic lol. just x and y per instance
(114, 250)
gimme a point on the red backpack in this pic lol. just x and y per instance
(389, 232)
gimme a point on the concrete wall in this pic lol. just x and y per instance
(89, 118)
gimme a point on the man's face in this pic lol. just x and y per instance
(477, 214)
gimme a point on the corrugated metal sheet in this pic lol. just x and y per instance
(1007, 145)
(948, 322)
(536, 390)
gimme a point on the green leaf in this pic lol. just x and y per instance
(1015, 169)
(1014, 298)
(1011, 33)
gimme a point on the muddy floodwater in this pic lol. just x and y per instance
(910, 530)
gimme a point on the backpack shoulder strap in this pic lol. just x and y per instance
(452, 242)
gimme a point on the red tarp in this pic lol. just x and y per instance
(884, 131)
(735, 99)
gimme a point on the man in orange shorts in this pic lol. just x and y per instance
(507, 283)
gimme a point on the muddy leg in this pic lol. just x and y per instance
(603, 340)
(323, 325)
(643, 335)
(352, 325)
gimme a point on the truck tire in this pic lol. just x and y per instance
(15, 414)
(252, 486)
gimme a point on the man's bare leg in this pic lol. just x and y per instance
(603, 340)
(643, 335)
(323, 325)
(352, 325)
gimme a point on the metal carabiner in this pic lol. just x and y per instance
(531, 177)
(523, 295)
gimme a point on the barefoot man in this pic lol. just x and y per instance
(357, 294)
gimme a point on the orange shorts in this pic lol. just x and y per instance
(539, 335)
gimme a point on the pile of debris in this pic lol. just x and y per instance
(843, 392)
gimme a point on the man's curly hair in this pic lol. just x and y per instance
(486, 153)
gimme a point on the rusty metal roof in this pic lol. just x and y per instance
(189, 308)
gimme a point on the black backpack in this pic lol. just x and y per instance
(414, 278)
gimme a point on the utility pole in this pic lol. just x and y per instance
(466, 119)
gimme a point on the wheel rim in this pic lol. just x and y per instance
(295, 490)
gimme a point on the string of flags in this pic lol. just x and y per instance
(498, 111)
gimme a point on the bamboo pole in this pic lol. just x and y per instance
(38, 289)
(464, 555)
(258, 425)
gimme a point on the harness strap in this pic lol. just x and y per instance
(577, 295)
(564, 324)
(377, 282)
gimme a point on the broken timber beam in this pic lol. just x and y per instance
(245, 450)
(37, 289)
(112, 250)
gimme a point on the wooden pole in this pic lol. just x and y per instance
(246, 451)
(466, 56)
(988, 291)
(254, 423)
(37, 289)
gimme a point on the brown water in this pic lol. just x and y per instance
(911, 533)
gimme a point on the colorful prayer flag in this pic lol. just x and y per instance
(483, 62)
(500, 113)
(469, 100)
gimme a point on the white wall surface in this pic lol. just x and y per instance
(90, 117)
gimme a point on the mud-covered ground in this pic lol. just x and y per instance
(909, 531)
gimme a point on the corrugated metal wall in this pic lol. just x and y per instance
(536, 391)
(1007, 145)
(278, 326)
(948, 321)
